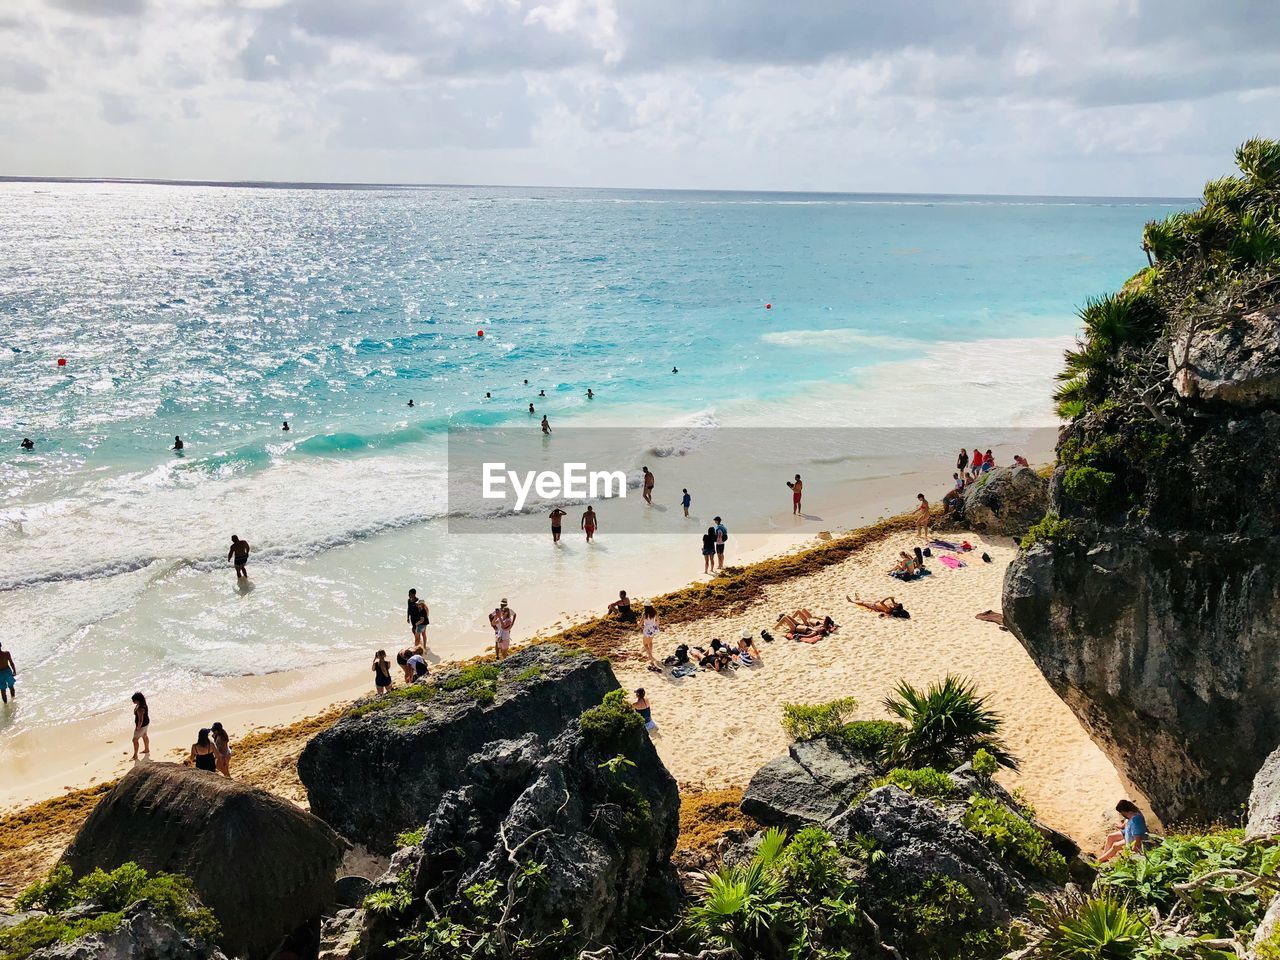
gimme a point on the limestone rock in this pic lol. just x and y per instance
(372, 779)
(1264, 800)
(265, 867)
(142, 935)
(1237, 363)
(1007, 501)
(813, 782)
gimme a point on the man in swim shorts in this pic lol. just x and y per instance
(797, 489)
(722, 535)
(502, 620)
(589, 522)
(418, 617)
(648, 486)
(7, 674)
(239, 553)
(556, 516)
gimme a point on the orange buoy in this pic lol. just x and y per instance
(480, 334)
(768, 306)
(62, 361)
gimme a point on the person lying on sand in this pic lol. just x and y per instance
(802, 625)
(888, 607)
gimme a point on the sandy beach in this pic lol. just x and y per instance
(716, 730)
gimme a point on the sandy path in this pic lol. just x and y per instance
(717, 730)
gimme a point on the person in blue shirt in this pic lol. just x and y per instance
(1132, 834)
(685, 501)
(721, 535)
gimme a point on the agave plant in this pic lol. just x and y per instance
(1094, 928)
(945, 724)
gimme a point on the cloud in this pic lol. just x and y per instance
(102, 8)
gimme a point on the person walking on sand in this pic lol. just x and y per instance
(239, 554)
(922, 515)
(648, 486)
(648, 630)
(419, 618)
(685, 501)
(589, 522)
(382, 673)
(221, 749)
(141, 725)
(797, 490)
(502, 620)
(708, 550)
(7, 674)
(556, 516)
(546, 426)
(722, 537)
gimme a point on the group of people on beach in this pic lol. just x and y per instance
(211, 751)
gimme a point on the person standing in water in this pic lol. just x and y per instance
(141, 725)
(285, 426)
(648, 486)
(7, 674)
(797, 491)
(590, 395)
(531, 410)
(503, 619)
(542, 393)
(546, 426)
(239, 554)
(589, 522)
(556, 516)
(27, 444)
(177, 443)
(419, 618)
(411, 401)
(221, 749)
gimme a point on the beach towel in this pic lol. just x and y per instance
(688, 670)
(955, 563)
(945, 545)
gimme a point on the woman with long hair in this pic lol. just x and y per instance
(221, 749)
(203, 753)
(141, 725)
(648, 630)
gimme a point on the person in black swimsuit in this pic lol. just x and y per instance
(202, 752)
(381, 672)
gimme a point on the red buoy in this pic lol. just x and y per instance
(768, 306)
(480, 334)
(62, 361)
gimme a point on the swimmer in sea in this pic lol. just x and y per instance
(488, 395)
(411, 401)
(590, 395)
(531, 410)
(546, 426)
(177, 443)
(542, 393)
(675, 369)
(526, 383)
(27, 444)
(239, 552)
(285, 427)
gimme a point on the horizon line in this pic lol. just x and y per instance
(375, 185)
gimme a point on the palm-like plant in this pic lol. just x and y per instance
(1094, 928)
(1255, 242)
(945, 724)
(1259, 160)
(740, 902)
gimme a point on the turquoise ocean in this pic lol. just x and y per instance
(217, 312)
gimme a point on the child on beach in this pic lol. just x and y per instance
(381, 672)
(141, 725)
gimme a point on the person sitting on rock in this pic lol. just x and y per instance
(1132, 834)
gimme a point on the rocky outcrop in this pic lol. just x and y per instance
(1236, 363)
(593, 814)
(379, 772)
(1167, 648)
(142, 935)
(1007, 501)
(1264, 800)
(265, 867)
(813, 782)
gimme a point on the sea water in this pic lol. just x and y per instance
(217, 313)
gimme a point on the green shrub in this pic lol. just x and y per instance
(411, 838)
(52, 894)
(529, 674)
(808, 721)
(984, 764)
(608, 723)
(1092, 928)
(940, 919)
(945, 724)
(1088, 484)
(409, 719)
(871, 737)
(23, 939)
(925, 782)
(1013, 838)
(1269, 949)
(395, 899)
(1048, 529)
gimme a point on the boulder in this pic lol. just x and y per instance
(1264, 800)
(919, 841)
(380, 772)
(1236, 362)
(1166, 646)
(265, 867)
(1006, 501)
(142, 935)
(600, 831)
(815, 781)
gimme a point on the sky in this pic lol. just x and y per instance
(1075, 97)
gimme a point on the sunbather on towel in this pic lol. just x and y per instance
(888, 607)
(803, 624)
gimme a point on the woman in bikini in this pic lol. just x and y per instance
(381, 672)
(203, 754)
(141, 725)
(888, 607)
(648, 630)
(221, 749)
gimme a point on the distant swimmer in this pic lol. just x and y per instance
(488, 395)
(285, 427)
(675, 369)
(411, 401)
(648, 486)
(177, 443)
(542, 393)
(531, 410)
(27, 444)
(590, 395)
(526, 383)
(797, 490)
(556, 516)
(546, 426)
(589, 522)
(239, 553)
